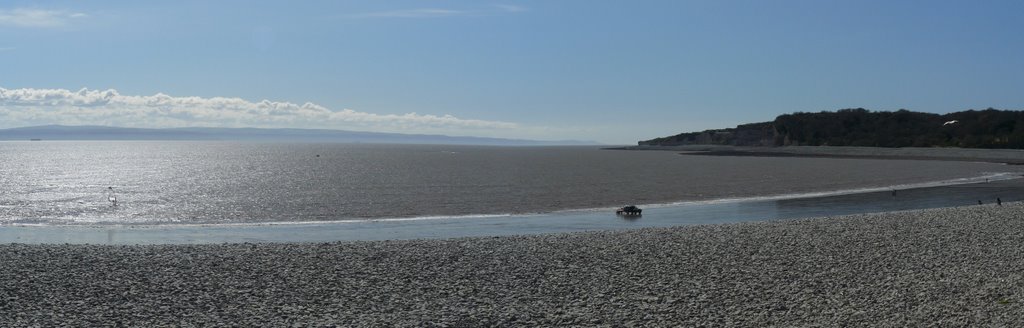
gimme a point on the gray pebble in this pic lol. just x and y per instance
(954, 266)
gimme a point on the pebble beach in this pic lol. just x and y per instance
(945, 267)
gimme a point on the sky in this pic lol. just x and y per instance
(608, 71)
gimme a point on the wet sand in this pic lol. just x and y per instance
(959, 266)
(939, 195)
(1008, 156)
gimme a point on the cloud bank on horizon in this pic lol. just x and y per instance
(27, 106)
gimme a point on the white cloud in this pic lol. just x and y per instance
(37, 18)
(21, 107)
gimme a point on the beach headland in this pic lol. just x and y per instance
(960, 266)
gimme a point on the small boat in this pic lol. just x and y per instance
(629, 211)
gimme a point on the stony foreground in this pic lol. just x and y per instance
(944, 267)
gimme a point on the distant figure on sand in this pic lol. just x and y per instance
(979, 202)
(111, 196)
(999, 201)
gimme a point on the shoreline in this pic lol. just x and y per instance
(844, 156)
(1002, 156)
(954, 266)
(876, 200)
(993, 177)
(460, 183)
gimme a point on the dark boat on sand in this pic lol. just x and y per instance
(629, 211)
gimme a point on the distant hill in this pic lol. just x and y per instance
(61, 132)
(990, 128)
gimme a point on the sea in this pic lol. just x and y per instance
(219, 184)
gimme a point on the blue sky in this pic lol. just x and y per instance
(609, 71)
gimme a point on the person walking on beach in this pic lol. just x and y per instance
(999, 201)
(111, 196)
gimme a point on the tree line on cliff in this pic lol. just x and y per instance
(989, 128)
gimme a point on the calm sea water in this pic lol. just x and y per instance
(224, 182)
